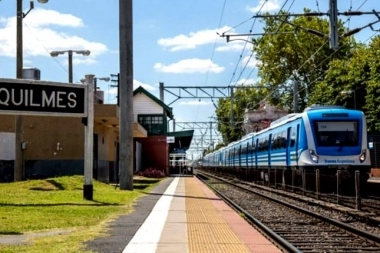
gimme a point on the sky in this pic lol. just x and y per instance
(176, 42)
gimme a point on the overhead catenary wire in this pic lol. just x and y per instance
(311, 57)
(43, 46)
(213, 51)
(245, 46)
(252, 53)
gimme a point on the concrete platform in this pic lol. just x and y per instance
(187, 217)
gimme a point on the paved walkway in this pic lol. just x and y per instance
(187, 217)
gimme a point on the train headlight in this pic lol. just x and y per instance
(313, 156)
(363, 155)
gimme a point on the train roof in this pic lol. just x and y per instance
(249, 135)
(284, 119)
(319, 107)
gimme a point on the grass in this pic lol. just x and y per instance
(57, 204)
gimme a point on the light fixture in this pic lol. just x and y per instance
(55, 53)
(70, 54)
(106, 79)
(84, 52)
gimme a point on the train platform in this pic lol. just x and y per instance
(181, 215)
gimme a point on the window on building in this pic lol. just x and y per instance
(153, 124)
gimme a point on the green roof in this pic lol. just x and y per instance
(187, 133)
(169, 110)
(182, 139)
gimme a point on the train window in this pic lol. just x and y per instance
(274, 141)
(283, 139)
(266, 144)
(244, 150)
(293, 136)
(330, 133)
(260, 147)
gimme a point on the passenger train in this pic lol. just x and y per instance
(327, 138)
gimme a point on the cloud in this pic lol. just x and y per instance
(148, 87)
(112, 92)
(41, 37)
(39, 17)
(232, 46)
(246, 82)
(249, 61)
(195, 102)
(136, 84)
(265, 6)
(194, 39)
(189, 66)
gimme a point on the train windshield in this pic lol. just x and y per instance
(339, 133)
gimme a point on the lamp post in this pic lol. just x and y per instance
(70, 54)
(19, 40)
(106, 79)
(18, 166)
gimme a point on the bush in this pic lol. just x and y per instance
(152, 173)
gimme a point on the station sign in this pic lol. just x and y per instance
(170, 139)
(31, 97)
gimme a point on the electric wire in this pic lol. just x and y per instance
(213, 52)
(311, 57)
(42, 45)
(252, 53)
(245, 44)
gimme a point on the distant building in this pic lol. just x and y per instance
(255, 120)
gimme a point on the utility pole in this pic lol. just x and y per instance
(332, 13)
(116, 86)
(333, 16)
(18, 168)
(70, 57)
(126, 95)
(88, 188)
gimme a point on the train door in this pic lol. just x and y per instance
(269, 149)
(251, 153)
(232, 157)
(225, 164)
(288, 136)
(240, 155)
(247, 149)
(293, 145)
(297, 143)
(256, 150)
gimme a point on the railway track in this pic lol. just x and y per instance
(369, 206)
(293, 228)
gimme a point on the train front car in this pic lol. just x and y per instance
(336, 140)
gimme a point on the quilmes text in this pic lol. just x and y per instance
(58, 99)
(42, 98)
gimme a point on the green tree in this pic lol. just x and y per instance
(345, 81)
(293, 52)
(373, 86)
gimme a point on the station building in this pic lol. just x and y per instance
(54, 146)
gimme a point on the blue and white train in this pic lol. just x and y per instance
(327, 138)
